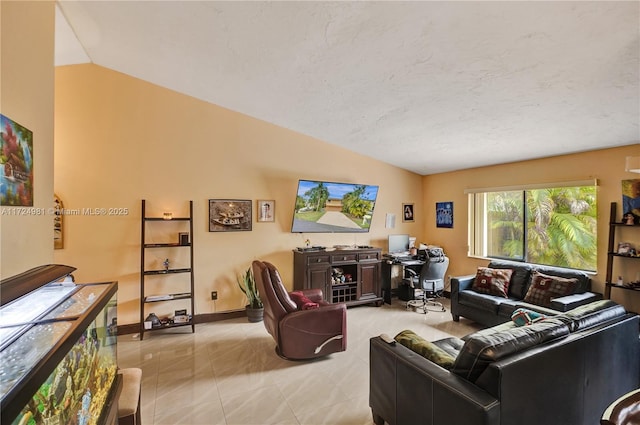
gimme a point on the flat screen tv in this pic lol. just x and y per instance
(330, 207)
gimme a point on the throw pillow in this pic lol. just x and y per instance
(303, 302)
(544, 288)
(492, 281)
(426, 349)
(523, 317)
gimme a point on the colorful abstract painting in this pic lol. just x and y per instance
(16, 164)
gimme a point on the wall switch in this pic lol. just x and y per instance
(214, 295)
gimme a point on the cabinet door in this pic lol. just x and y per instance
(369, 275)
(318, 278)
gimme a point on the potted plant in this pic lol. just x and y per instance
(247, 284)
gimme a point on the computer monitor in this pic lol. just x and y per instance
(398, 243)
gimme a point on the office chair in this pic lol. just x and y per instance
(430, 281)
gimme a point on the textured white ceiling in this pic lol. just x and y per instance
(426, 86)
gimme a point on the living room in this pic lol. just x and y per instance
(106, 139)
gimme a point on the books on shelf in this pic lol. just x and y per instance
(160, 297)
(168, 297)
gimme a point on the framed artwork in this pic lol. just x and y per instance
(58, 235)
(407, 212)
(266, 211)
(16, 164)
(444, 214)
(229, 215)
(631, 201)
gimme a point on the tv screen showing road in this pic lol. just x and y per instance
(330, 207)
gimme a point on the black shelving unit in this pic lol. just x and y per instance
(147, 296)
(613, 255)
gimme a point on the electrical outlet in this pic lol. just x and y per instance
(214, 295)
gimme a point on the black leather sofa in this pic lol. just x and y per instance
(560, 371)
(491, 310)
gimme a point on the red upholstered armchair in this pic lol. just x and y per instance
(312, 328)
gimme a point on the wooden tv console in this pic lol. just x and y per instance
(351, 276)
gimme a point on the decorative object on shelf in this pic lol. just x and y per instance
(154, 320)
(181, 316)
(624, 248)
(16, 164)
(266, 211)
(165, 264)
(183, 238)
(255, 308)
(58, 230)
(444, 214)
(631, 200)
(167, 216)
(629, 219)
(407, 212)
(228, 215)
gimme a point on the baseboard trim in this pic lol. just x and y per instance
(199, 318)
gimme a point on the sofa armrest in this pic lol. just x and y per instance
(407, 388)
(458, 284)
(461, 283)
(570, 302)
(314, 294)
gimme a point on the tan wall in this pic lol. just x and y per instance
(605, 165)
(119, 140)
(26, 97)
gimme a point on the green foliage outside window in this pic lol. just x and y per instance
(558, 224)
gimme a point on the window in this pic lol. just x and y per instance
(555, 226)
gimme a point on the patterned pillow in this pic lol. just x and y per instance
(426, 349)
(303, 302)
(492, 281)
(523, 317)
(544, 288)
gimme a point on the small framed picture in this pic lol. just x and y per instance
(407, 212)
(444, 214)
(266, 211)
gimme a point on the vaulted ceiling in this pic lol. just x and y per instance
(428, 86)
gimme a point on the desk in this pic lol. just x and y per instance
(388, 265)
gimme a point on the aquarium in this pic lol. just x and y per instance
(58, 358)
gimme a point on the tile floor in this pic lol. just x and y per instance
(228, 372)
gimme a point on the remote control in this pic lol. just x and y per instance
(386, 338)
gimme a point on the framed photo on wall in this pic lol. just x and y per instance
(407, 212)
(58, 230)
(266, 211)
(444, 214)
(229, 215)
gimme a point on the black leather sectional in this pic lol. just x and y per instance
(563, 370)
